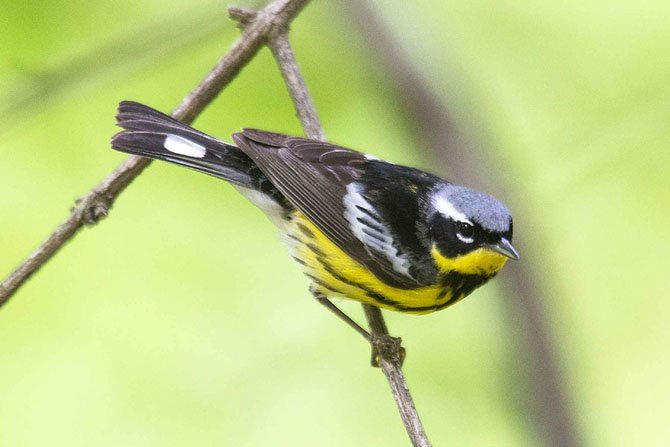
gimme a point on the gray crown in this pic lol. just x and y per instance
(476, 206)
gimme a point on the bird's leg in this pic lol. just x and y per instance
(323, 299)
(383, 344)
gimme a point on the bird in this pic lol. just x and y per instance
(391, 236)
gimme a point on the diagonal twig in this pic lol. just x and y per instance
(269, 24)
(434, 127)
(282, 52)
(95, 205)
(388, 349)
(391, 355)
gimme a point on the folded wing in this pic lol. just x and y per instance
(321, 180)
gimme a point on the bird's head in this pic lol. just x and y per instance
(470, 232)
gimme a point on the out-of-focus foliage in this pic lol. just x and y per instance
(181, 320)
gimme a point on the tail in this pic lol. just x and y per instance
(150, 133)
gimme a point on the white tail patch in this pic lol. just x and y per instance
(374, 235)
(182, 146)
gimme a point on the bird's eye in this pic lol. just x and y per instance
(465, 231)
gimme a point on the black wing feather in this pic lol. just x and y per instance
(314, 175)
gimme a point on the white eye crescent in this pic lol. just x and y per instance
(465, 232)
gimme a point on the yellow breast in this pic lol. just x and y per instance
(336, 273)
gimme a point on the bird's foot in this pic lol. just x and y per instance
(387, 348)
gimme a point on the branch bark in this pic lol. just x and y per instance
(95, 205)
(282, 52)
(434, 129)
(387, 351)
(268, 24)
(391, 356)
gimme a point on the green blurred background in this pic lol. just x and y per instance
(180, 320)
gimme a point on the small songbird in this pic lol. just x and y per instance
(361, 228)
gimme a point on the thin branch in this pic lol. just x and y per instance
(270, 23)
(387, 351)
(95, 205)
(391, 356)
(281, 50)
(434, 127)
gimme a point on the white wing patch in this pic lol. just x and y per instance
(182, 146)
(366, 224)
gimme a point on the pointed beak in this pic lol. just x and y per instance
(505, 248)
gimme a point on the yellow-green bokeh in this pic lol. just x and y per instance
(180, 320)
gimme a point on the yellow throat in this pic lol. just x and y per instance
(478, 262)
